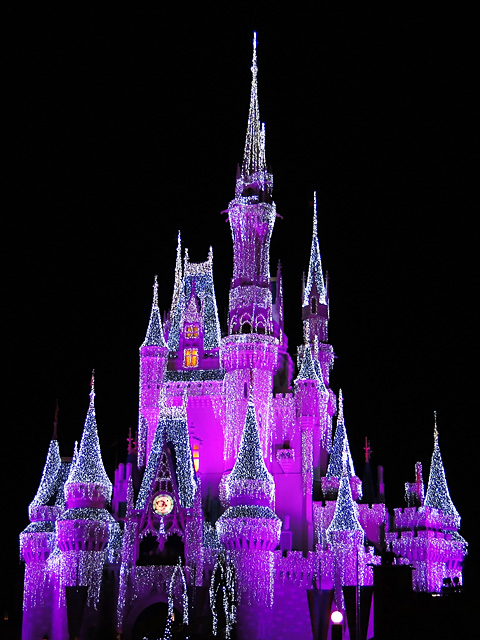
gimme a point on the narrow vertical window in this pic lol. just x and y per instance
(191, 357)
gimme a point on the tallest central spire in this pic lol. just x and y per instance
(254, 154)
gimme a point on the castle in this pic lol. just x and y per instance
(238, 509)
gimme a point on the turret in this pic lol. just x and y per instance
(252, 215)
(83, 530)
(37, 541)
(427, 534)
(153, 364)
(331, 482)
(249, 527)
(315, 303)
(250, 351)
(345, 536)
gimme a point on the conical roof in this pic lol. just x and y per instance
(438, 495)
(154, 336)
(340, 444)
(87, 467)
(254, 153)
(315, 273)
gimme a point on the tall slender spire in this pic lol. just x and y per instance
(340, 445)
(438, 495)
(254, 154)
(154, 337)
(315, 273)
(177, 286)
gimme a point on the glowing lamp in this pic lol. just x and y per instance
(336, 617)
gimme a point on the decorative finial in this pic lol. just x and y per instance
(92, 389)
(155, 292)
(254, 67)
(55, 421)
(435, 428)
(340, 407)
(315, 221)
(368, 451)
(210, 254)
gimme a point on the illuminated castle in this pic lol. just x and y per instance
(236, 507)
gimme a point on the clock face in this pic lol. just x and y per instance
(163, 504)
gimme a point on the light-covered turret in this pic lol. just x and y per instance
(37, 542)
(427, 534)
(250, 350)
(153, 364)
(84, 529)
(249, 528)
(341, 447)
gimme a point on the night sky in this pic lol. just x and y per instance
(125, 127)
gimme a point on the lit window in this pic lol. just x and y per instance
(191, 357)
(191, 331)
(196, 457)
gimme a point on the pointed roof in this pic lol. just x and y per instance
(174, 430)
(340, 444)
(315, 273)
(310, 369)
(250, 464)
(438, 495)
(87, 468)
(49, 477)
(254, 153)
(198, 276)
(154, 337)
(345, 517)
(177, 286)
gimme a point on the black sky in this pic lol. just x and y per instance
(126, 127)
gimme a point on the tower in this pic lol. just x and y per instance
(249, 528)
(249, 352)
(37, 542)
(85, 528)
(153, 364)
(427, 534)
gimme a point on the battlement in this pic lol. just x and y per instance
(197, 387)
(82, 535)
(85, 494)
(42, 513)
(424, 517)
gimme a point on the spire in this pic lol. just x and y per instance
(177, 286)
(154, 337)
(438, 495)
(345, 516)
(87, 467)
(315, 273)
(48, 481)
(340, 444)
(310, 369)
(254, 154)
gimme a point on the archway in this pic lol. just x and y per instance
(151, 622)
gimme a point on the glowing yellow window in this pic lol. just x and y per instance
(196, 457)
(191, 331)
(191, 357)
